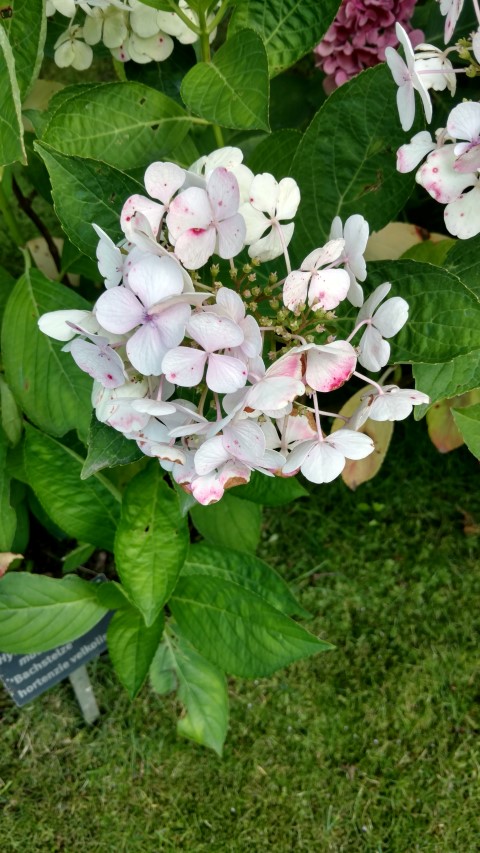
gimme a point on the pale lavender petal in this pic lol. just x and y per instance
(118, 310)
(145, 350)
(225, 374)
(184, 366)
(231, 236)
(102, 364)
(155, 278)
(222, 188)
(214, 332)
(171, 324)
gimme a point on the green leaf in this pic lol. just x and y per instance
(230, 523)
(52, 391)
(468, 422)
(11, 131)
(38, 613)
(270, 491)
(7, 283)
(236, 630)
(202, 690)
(289, 28)
(126, 125)
(12, 423)
(26, 30)
(107, 448)
(245, 569)
(87, 510)
(131, 646)
(232, 89)
(430, 252)
(275, 153)
(8, 516)
(151, 543)
(441, 381)
(77, 557)
(86, 191)
(462, 260)
(346, 163)
(444, 316)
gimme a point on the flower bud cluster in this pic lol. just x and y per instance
(451, 170)
(216, 380)
(128, 28)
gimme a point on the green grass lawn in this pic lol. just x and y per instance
(371, 747)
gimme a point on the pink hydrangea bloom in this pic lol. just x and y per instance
(359, 35)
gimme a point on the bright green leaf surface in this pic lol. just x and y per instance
(131, 646)
(107, 448)
(441, 381)
(463, 260)
(468, 422)
(26, 31)
(152, 541)
(289, 28)
(126, 125)
(230, 523)
(270, 491)
(11, 416)
(232, 90)
(38, 613)
(245, 569)
(8, 516)
(89, 509)
(53, 392)
(86, 191)
(77, 557)
(236, 630)
(346, 161)
(11, 132)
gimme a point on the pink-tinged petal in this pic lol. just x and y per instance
(330, 366)
(353, 445)
(102, 364)
(156, 408)
(368, 308)
(289, 365)
(231, 236)
(184, 366)
(145, 350)
(245, 440)
(214, 332)
(299, 428)
(327, 254)
(55, 323)
(296, 458)
(323, 463)
(374, 351)
(171, 324)
(189, 209)
(406, 105)
(272, 460)
(454, 8)
(164, 452)
(264, 193)
(252, 344)
(210, 455)
(273, 394)
(413, 152)
(162, 180)
(125, 419)
(207, 489)
(231, 304)
(151, 210)
(155, 278)
(439, 178)
(462, 216)
(295, 289)
(464, 121)
(328, 288)
(193, 248)
(469, 161)
(109, 257)
(233, 473)
(222, 188)
(288, 199)
(118, 310)
(397, 66)
(255, 221)
(225, 374)
(391, 316)
(271, 246)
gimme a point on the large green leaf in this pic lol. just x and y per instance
(47, 383)
(124, 124)
(131, 646)
(107, 448)
(230, 523)
(11, 416)
(11, 131)
(346, 161)
(245, 569)
(270, 491)
(26, 30)
(152, 541)
(444, 316)
(8, 516)
(468, 422)
(289, 28)
(236, 629)
(202, 690)
(89, 509)
(442, 381)
(463, 260)
(275, 153)
(38, 613)
(86, 191)
(232, 90)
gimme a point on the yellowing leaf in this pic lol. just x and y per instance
(442, 429)
(359, 471)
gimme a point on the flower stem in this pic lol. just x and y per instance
(219, 16)
(207, 57)
(183, 17)
(10, 220)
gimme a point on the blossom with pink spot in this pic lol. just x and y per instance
(322, 288)
(328, 366)
(322, 459)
